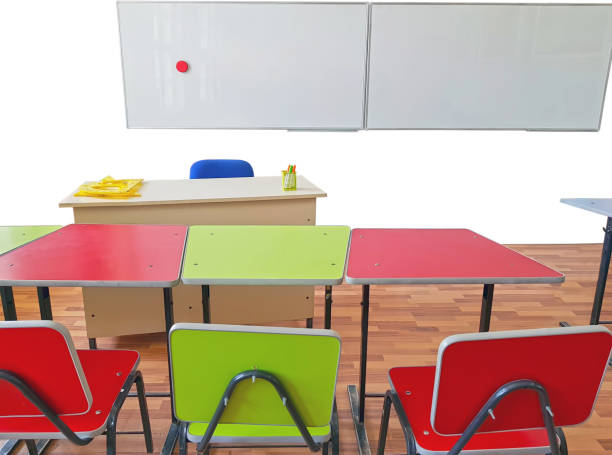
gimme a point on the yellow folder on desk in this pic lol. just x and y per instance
(111, 188)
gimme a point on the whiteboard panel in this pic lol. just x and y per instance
(487, 66)
(251, 65)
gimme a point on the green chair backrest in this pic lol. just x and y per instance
(205, 358)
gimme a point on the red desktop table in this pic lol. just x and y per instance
(429, 256)
(98, 255)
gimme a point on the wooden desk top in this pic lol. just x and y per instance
(158, 192)
(438, 256)
(98, 255)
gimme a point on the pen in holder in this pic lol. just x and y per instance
(289, 179)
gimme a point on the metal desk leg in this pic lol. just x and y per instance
(356, 401)
(485, 311)
(603, 274)
(172, 436)
(8, 303)
(44, 303)
(173, 432)
(206, 303)
(328, 306)
(9, 446)
(604, 266)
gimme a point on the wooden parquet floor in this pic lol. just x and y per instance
(406, 325)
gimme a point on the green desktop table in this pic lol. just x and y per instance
(265, 255)
(12, 237)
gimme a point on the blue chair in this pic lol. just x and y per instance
(219, 169)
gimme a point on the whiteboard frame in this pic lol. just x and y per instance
(365, 81)
(603, 101)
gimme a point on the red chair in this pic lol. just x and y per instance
(502, 392)
(49, 390)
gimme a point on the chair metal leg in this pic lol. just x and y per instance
(111, 437)
(404, 422)
(384, 425)
(183, 439)
(562, 441)
(144, 412)
(335, 430)
(31, 445)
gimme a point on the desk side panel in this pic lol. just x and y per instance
(289, 212)
(114, 312)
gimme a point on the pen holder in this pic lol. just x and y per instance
(289, 181)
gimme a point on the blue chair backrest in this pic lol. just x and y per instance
(217, 169)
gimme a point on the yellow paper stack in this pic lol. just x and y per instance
(108, 187)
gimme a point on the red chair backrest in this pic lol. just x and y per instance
(42, 355)
(570, 363)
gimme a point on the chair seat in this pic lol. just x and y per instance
(106, 372)
(232, 433)
(419, 381)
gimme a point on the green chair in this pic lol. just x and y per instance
(237, 386)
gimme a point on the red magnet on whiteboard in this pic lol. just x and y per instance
(182, 66)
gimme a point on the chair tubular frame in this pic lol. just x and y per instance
(111, 425)
(204, 445)
(556, 437)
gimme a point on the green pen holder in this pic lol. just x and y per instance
(289, 181)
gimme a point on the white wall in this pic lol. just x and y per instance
(62, 122)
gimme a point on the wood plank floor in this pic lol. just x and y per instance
(406, 325)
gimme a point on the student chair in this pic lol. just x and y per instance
(217, 169)
(499, 392)
(50, 390)
(237, 386)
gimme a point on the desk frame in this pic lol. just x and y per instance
(600, 289)
(357, 398)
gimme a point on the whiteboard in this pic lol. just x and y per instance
(488, 66)
(251, 65)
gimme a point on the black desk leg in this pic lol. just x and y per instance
(365, 315)
(8, 303)
(485, 311)
(328, 306)
(206, 303)
(172, 436)
(603, 273)
(44, 303)
(357, 400)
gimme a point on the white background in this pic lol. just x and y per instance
(62, 121)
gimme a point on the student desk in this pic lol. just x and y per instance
(603, 207)
(429, 256)
(12, 237)
(235, 201)
(83, 255)
(265, 255)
